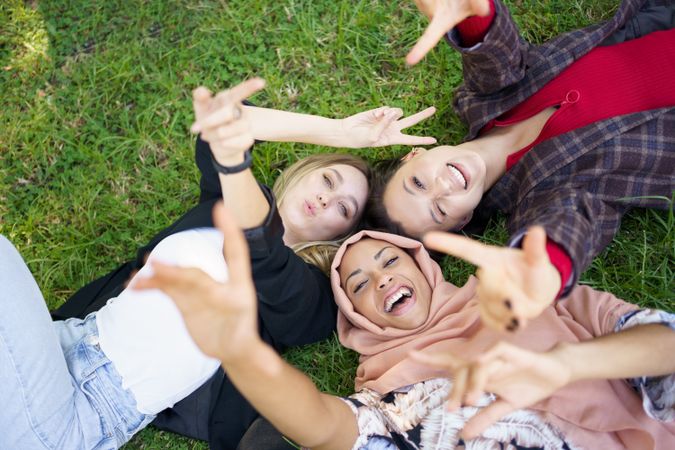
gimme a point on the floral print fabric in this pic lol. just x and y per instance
(658, 393)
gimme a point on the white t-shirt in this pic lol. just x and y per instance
(143, 333)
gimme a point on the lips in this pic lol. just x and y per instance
(458, 175)
(399, 300)
(309, 208)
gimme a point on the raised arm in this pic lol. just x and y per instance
(520, 378)
(222, 319)
(374, 128)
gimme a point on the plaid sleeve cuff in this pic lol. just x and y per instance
(473, 29)
(658, 393)
(561, 261)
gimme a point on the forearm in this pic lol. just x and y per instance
(640, 351)
(284, 126)
(290, 401)
(244, 199)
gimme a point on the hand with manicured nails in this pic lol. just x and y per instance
(382, 126)
(519, 378)
(220, 317)
(514, 284)
(223, 122)
(443, 16)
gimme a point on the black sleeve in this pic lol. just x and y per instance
(295, 300)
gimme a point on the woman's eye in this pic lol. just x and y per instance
(343, 210)
(440, 210)
(328, 182)
(416, 181)
(359, 286)
(390, 261)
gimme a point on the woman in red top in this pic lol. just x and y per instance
(566, 135)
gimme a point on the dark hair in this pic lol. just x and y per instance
(376, 216)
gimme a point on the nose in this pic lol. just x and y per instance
(443, 186)
(384, 281)
(324, 199)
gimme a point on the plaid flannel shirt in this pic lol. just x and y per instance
(577, 185)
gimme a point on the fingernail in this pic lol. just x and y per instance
(513, 326)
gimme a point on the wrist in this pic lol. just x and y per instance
(566, 355)
(228, 159)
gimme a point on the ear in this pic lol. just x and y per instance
(412, 153)
(466, 219)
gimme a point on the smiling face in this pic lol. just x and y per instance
(324, 204)
(436, 190)
(385, 285)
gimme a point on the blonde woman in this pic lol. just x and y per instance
(319, 201)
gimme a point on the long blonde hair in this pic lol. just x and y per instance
(319, 253)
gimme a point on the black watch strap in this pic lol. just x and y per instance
(227, 170)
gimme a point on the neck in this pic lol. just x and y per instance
(495, 146)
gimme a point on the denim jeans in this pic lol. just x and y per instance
(58, 390)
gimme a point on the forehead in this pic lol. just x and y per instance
(361, 255)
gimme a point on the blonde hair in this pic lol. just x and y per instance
(319, 253)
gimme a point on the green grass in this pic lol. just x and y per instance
(96, 157)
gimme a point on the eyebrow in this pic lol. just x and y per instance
(433, 216)
(407, 189)
(337, 174)
(376, 257)
(351, 198)
(431, 210)
(356, 272)
(378, 254)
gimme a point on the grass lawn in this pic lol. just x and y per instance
(96, 156)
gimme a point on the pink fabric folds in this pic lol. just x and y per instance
(592, 414)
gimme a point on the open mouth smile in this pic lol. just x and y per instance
(400, 301)
(458, 176)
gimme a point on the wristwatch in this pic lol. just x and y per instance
(227, 170)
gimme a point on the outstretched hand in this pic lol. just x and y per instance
(222, 121)
(220, 317)
(382, 126)
(443, 16)
(519, 378)
(514, 284)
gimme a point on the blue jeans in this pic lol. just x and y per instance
(58, 390)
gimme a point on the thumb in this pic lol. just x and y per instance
(534, 246)
(389, 117)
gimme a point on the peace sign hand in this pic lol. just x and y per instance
(382, 126)
(514, 285)
(222, 121)
(443, 15)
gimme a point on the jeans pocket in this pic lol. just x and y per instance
(102, 384)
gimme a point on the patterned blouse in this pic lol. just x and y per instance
(414, 417)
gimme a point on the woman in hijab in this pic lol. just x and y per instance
(567, 381)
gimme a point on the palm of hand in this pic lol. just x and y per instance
(219, 317)
(383, 126)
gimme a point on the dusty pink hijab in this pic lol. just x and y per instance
(592, 414)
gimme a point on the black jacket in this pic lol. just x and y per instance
(295, 307)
